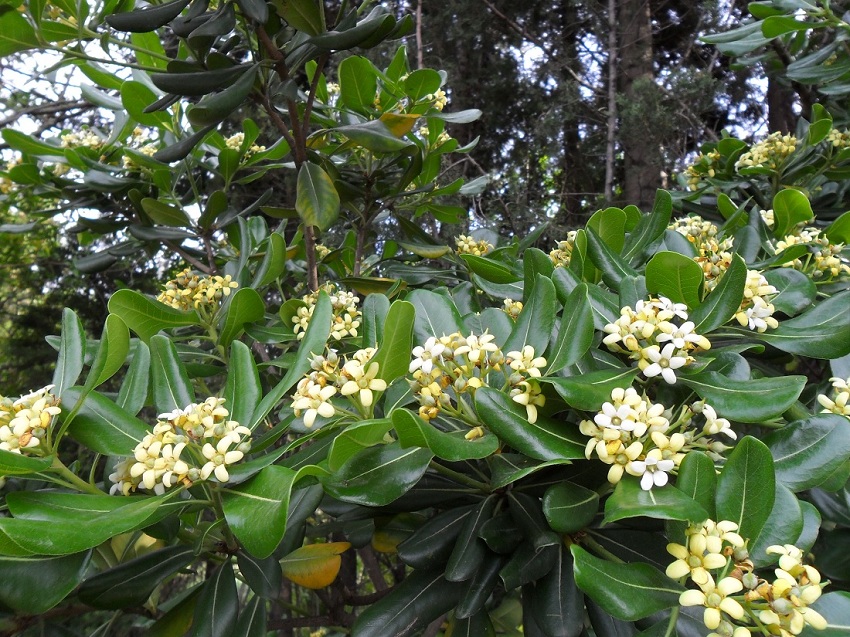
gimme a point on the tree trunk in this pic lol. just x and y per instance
(780, 111)
(642, 163)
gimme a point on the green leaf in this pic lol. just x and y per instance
(650, 227)
(589, 391)
(358, 83)
(147, 317)
(72, 353)
(756, 400)
(131, 583)
(436, 315)
(433, 542)
(393, 355)
(245, 307)
(783, 526)
(675, 276)
(421, 597)
(414, 432)
(723, 302)
(527, 565)
(252, 619)
(819, 333)
(820, 125)
(544, 440)
(34, 585)
(134, 389)
(557, 605)
(317, 201)
(575, 334)
(806, 452)
(790, 207)
(164, 214)
(16, 34)
(103, 426)
(197, 83)
(613, 267)
(697, 479)
(776, 25)
(469, 549)
(135, 98)
(535, 322)
(242, 390)
(629, 500)
(569, 507)
(481, 586)
(263, 576)
(626, 591)
(274, 263)
(356, 437)
(839, 230)
(490, 270)
(256, 510)
(422, 82)
(214, 108)
(374, 135)
(610, 226)
(797, 291)
(171, 387)
(746, 487)
(112, 352)
(218, 604)
(835, 608)
(12, 464)
(304, 15)
(147, 19)
(378, 475)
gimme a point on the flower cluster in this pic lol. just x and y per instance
(769, 153)
(448, 369)
(714, 254)
(201, 433)
(840, 401)
(512, 308)
(561, 255)
(189, 291)
(468, 245)
(756, 311)
(715, 558)
(658, 335)
(83, 139)
(824, 260)
(6, 184)
(839, 139)
(234, 142)
(25, 422)
(439, 98)
(705, 165)
(442, 138)
(355, 378)
(636, 437)
(346, 315)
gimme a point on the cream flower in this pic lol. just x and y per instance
(715, 598)
(664, 362)
(528, 394)
(362, 381)
(525, 361)
(314, 399)
(219, 457)
(652, 470)
(426, 355)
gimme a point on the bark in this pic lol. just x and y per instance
(780, 111)
(610, 140)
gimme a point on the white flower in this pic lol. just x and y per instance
(653, 470)
(623, 417)
(715, 599)
(663, 362)
(677, 309)
(314, 400)
(425, 355)
(219, 457)
(525, 361)
(528, 394)
(682, 335)
(362, 381)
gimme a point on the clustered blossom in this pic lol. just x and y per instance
(737, 602)
(769, 153)
(840, 401)
(714, 254)
(658, 335)
(25, 422)
(7, 185)
(439, 99)
(636, 437)
(512, 308)
(468, 245)
(756, 311)
(186, 446)
(448, 370)
(83, 139)
(705, 165)
(442, 138)
(839, 139)
(235, 141)
(189, 291)
(355, 378)
(346, 315)
(823, 262)
(561, 255)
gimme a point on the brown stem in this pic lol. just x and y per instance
(373, 568)
(610, 139)
(189, 258)
(367, 600)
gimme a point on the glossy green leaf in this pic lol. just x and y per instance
(650, 227)
(609, 224)
(412, 431)
(16, 34)
(148, 18)
(723, 301)
(304, 15)
(214, 108)
(675, 276)
(575, 333)
(557, 604)
(181, 149)
(170, 381)
(436, 315)
(806, 452)
(544, 440)
(612, 266)
(112, 352)
(242, 389)
(783, 526)
(835, 608)
(839, 230)
(145, 316)
(34, 585)
(589, 391)
(263, 576)
(245, 307)
(378, 475)
(526, 511)
(134, 388)
(433, 542)
(274, 262)
(393, 355)
(490, 269)
(317, 201)
(218, 605)
(629, 500)
(535, 322)
(165, 214)
(18, 464)
(507, 468)
(569, 507)
(421, 597)
(135, 98)
(481, 586)
(790, 207)
(527, 565)
(197, 83)
(697, 479)
(470, 550)
(797, 292)
(358, 83)
(756, 400)
(374, 135)
(72, 353)
(356, 437)
(131, 583)
(422, 82)
(103, 426)
(626, 591)
(746, 487)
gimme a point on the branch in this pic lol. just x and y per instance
(45, 109)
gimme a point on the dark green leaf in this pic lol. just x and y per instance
(797, 291)
(575, 334)
(589, 391)
(374, 135)
(304, 15)
(134, 389)
(629, 500)
(358, 83)
(490, 269)
(245, 307)
(146, 317)
(72, 353)
(650, 227)
(481, 585)
(414, 432)
(756, 400)
(217, 606)
(790, 207)
(675, 276)
(197, 83)
(698, 480)
(317, 201)
(557, 603)
(263, 576)
(112, 352)
(436, 315)
(147, 19)
(723, 301)
(783, 526)
(18, 464)
(434, 541)
(102, 425)
(34, 585)
(242, 390)
(164, 214)
(171, 387)
(470, 550)
(569, 507)
(535, 322)
(746, 487)
(214, 108)
(16, 34)
(528, 564)
(393, 355)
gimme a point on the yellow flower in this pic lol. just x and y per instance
(715, 598)
(362, 381)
